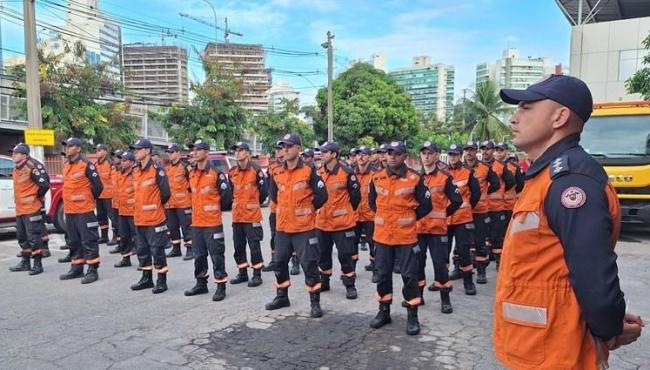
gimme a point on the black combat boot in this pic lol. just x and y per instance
(480, 273)
(23, 265)
(324, 282)
(103, 239)
(270, 266)
(114, 240)
(375, 277)
(66, 259)
(220, 293)
(412, 323)
(45, 251)
(445, 302)
(161, 284)
(468, 283)
(124, 262)
(37, 268)
(350, 289)
(189, 254)
(91, 274)
(201, 287)
(295, 266)
(316, 311)
(76, 271)
(383, 316)
(455, 274)
(256, 280)
(175, 252)
(146, 281)
(370, 266)
(433, 287)
(281, 300)
(241, 277)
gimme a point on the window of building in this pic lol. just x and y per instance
(630, 61)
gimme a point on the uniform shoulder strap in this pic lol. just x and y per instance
(560, 166)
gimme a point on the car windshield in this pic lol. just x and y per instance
(220, 164)
(617, 136)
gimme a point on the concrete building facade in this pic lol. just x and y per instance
(512, 71)
(281, 90)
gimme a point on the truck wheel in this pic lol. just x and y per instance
(59, 218)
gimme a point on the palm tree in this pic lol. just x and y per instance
(487, 111)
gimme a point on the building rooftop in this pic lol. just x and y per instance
(595, 11)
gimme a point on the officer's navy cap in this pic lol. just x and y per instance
(373, 151)
(502, 146)
(278, 144)
(353, 151)
(155, 152)
(363, 150)
(20, 148)
(331, 146)
(487, 144)
(382, 148)
(396, 146)
(200, 144)
(173, 148)
(291, 139)
(431, 146)
(568, 91)
(118, 153)
(240, 145)
(471, 145)
(101, 147)
(142, 143)
(308, 153)
(128, 156)
(73, 141)
(455, 149)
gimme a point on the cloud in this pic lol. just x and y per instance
(317, 5)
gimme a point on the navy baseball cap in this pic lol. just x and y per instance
(20, 148)
(455, 149)
(430, 145)
(568, 91)
(128, 156)
(142, 143)
(331, 146)
(278, 145)
(73, 141)
(487, 144)
(101, 147)
(364, 150)
(200, 144)
(118, 153)
(241, 145)
(173, 148)
(382, 148)
(308, 153)
(397, 146)
(353, 151)
(502, 146)
(291, 139)
(471, 145)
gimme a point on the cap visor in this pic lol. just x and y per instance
(514, 96)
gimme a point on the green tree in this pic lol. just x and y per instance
(214, 114)
(639, 83)
(487, 111)
(272, 126)
(367, 103)
(72, 100)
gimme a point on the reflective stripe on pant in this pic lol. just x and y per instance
(252, 233)
(463, 237)
(29, 232)
(497, 230)
(437, 245)
(151, 242)
(305, 245)
(482, 230)
(179, 219)
(409, 260)
(104, 207)
(345, 245)
(127, 235)
(209, 240)
(83, 233)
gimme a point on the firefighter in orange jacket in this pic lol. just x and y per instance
(432, 229)
(461, 223)
(126, 207)
(151, 193)
(179, 207)
(116, 171)
(250, 189)
(399, 197)
(366, 216)
(211, 196)
(488, 184)
(279, 160)
(336, 220)
(81, 187)
(558, 301)
(510, 196)
(104, 166)
(496, 200)
(31, 183)
(298, 191)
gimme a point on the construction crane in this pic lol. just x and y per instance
(226, 31)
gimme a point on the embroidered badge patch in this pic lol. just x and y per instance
(574, 197)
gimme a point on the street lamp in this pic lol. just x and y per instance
(214, 12)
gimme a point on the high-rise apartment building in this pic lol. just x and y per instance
(279, 91)
(514, 72)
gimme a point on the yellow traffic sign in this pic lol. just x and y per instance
(42, 137)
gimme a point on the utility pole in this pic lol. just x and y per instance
(32, 77)
(330, 71)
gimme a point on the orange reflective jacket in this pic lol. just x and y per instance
(126, 193)
(115, 175)
(208, 186)
(272, 167)
(495, 200)
(436, 221)
(179, 185)
(481, 171)
(81, 184)
(510, 196)
(249, 187)
(342, 187)
(30, 184)
(461, 176)
(104, 170)
(364, 213)
(151, 193)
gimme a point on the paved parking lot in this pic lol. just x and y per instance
(50, 324)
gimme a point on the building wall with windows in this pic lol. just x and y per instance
(513, 71)
(606, 54)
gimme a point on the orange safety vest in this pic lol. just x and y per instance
(272, 167)
(246, 206)
(77, 194)
(537, 319)
(364, 213)
(104, 169)
(510, 196)
(295, 210)
(436, 221)
(395, 219)
(126, 193)
(149, 210)
(495, 200)
(337, 213)
(463, 214)
(206, 199)
(179, 186)
(115, 175)
(481, 171)
(26, 196)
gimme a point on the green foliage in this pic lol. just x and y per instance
(272, 126)
(70, 99)
(442, 136)
(487, 111)
(639, 83)
(368, 105)
(213, 115)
